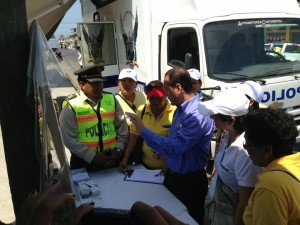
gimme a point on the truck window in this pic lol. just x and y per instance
(98, 43)
(248, 49)
(180, 42)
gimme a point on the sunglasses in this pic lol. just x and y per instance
(149, 88)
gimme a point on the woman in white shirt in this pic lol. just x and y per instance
(235, 175)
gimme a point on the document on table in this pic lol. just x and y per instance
(146, 176)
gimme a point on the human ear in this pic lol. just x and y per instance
(268, 153)
(232, 120)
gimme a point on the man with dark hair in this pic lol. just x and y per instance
(187, 147)
(270, 136)
(93, 124)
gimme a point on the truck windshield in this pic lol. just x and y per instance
(251, 49)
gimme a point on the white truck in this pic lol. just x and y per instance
(225, 41)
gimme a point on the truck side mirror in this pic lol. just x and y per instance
(188, 61)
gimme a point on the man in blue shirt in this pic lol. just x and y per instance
(187, 147)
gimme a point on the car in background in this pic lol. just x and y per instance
(290, 51)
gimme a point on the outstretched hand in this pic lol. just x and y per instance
(136, 121)
(39, 209)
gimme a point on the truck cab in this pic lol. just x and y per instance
(225, 41)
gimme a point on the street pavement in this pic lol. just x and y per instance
(69, 65)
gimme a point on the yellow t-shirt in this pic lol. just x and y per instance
(275, 199)
(140, 99)
(161, 126)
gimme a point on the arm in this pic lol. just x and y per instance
(244, 195)
(132, 140)
(121, 127)
(246, 175)
(170, 219)
(182, 135)
(153, 215)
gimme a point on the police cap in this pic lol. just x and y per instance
(91, 73)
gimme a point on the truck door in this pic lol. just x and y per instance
(178, 39)
(98, 46)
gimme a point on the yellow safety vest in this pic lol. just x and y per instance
(89, 122)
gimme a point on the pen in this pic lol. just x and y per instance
(128, 172)
(159, 174)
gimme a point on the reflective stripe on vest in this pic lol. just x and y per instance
(87, 122)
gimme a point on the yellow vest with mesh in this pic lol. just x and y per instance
(89, 122)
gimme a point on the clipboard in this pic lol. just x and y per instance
(146, 176)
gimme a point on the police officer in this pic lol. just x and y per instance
(92, 123)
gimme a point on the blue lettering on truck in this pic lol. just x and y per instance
(280, 95)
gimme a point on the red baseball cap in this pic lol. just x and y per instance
(156, 91)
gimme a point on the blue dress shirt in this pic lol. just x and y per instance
(187, 147)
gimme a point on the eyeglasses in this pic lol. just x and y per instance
(149, 88)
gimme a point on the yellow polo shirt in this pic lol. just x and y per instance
(161, 126)
(276, 197)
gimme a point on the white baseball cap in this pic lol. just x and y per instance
(252, 89)
(195, 74)
(128, 73)
(228, 102)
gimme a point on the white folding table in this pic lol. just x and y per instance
(116, 193)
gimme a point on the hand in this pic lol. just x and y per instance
(164, 170)
(102, 159)
(136, 121)
(40, 208)
(116, 152)
(123, 165)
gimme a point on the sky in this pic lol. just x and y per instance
(70, 20)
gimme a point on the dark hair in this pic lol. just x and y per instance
(156, 83)
(255, 104)
(238, 124)
(179, 75)
(274, 127)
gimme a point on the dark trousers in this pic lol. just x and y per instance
(191, 190)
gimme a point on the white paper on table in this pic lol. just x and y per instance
(146, 176)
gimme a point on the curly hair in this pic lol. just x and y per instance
(274, 127)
